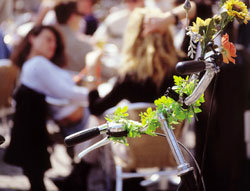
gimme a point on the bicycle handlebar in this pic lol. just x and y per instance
(81, 136)
(201, 87)
(190, 67)
(113, 129)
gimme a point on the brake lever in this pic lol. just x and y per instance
(114, 130)
(99, 144)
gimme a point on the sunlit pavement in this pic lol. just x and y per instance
(12, 179)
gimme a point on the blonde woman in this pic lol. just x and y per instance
(147, 66)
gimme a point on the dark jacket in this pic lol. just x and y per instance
(131, 89)
(29, 136)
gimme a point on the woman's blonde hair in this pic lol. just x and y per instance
(150, 56)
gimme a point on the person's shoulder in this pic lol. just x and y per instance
(38, 62)
(39, 59)
(65, 31)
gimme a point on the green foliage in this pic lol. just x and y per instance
(133, 128)
(173, 111)
(149, 119)
(120, 113)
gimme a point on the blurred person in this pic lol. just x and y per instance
(88, 24)
(158, 24)
(46, 13)
(199, 8)
(40, 56)
(76, 47)
(111, 30)
(145, 75)
(91, 22)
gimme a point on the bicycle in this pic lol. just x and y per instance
(185, 171)
(203, 32)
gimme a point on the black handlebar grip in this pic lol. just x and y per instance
(190, 67)
(81, 136)
(2, 139)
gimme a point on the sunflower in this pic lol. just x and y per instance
(238, 9)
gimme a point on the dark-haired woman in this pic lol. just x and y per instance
(40, 56)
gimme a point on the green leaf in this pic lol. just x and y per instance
(124, 109)
(197, 110)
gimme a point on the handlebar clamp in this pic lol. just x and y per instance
(123, 133)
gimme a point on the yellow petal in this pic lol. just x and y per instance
(207, 21)
(199, 21)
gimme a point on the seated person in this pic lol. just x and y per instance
(40, 56)
(148, 64)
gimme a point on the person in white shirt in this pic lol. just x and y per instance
(40, 56)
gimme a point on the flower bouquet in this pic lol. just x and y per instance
(205, 31)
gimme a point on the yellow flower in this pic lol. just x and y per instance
(217, 18)
(237, 9)
(199, 23)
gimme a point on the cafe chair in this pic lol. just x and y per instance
(147, 156)
(8, 78)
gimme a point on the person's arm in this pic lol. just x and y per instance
(97, 104)
(129, 89)
(52, 81)
(160, 24)
(44, 8)
(61, 87)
